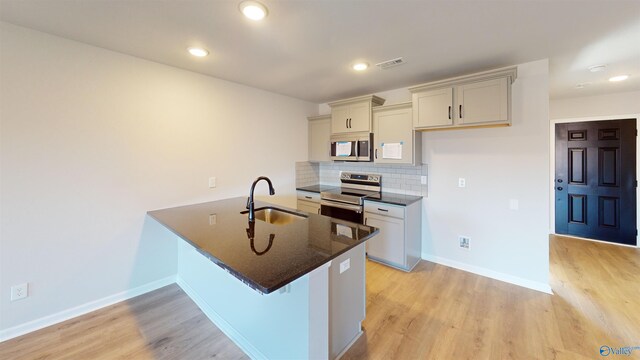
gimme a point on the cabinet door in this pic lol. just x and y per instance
(433, 108)
(483, 102)
(309, 207)
(360, 117)
(340, 119)
(319, 140)
(393, 127)
(388, 245)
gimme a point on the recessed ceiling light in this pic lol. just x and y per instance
(253, 10)
(619, 78)
(360, 66)
(199, 52)
(597, 68)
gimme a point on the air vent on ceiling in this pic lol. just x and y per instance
(390, 63)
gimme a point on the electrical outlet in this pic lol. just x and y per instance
(465, 242)
(19, 292)
(213, 219)
(345, 265)
(462, 182)
(212, 182)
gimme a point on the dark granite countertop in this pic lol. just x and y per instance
(278, 255)
(395, 199)
(317, 188)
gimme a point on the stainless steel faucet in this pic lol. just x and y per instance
(250, 205)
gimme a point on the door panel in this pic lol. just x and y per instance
(596, 180)
(578, 166)
(433, 108)
(388, 245)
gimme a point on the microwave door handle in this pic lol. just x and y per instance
(357, 144)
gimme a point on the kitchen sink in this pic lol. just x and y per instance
(276, 216)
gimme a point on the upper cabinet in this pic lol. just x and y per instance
(353, 115)
(319, 138)
(395, 140)
(482, 99)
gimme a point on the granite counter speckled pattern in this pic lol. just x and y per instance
(278, 255)
(317, 188)
(393, 198)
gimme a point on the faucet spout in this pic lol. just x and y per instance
(250, 203)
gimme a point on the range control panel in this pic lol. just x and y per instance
(372, 179)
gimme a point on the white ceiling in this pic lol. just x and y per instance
(304, 48)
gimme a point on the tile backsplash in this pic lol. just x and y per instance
(402, 179)
(307, 173)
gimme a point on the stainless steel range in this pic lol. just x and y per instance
(347, 202)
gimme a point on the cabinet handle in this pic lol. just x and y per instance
(308, 197)
(318, 211)
(346, 123)
(460, 111)
(385, 210)
(365, 221)
(349, 123)
(449, 112)
(559, 188)
(376, 153)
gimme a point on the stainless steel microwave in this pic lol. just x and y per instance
(352, 147)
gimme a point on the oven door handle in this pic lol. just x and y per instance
(354, 208)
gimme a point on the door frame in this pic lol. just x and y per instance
(552, 168)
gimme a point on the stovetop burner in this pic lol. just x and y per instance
(354, 188)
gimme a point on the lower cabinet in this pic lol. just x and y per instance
(308, 202)
(399, 243)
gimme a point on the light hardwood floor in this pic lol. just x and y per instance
(434, 312)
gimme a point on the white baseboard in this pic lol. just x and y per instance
(534, 285)
(64, 315)
(221, 323)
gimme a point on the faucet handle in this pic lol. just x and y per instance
(248, 202)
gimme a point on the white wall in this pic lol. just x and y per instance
(92, 139)
(499, 164)
(599, 105)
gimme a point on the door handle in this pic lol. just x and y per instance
(449, 112)
(559, 188)
(460, 111)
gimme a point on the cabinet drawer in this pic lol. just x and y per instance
(308, 196)
(384, 209)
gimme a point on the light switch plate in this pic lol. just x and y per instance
(345, 265)
(462, 182)
(212, 182)
(514, 204)
(423, 180)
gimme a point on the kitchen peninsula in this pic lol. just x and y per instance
(287, 285)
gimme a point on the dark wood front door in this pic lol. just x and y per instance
(595, 183)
